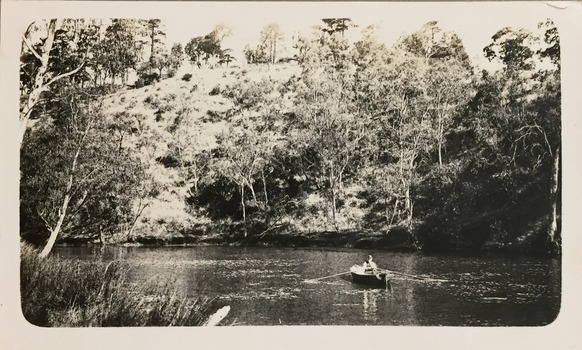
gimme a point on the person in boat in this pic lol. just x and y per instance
(370, 265)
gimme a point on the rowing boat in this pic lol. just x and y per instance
(368, 278)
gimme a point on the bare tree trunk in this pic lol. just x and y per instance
(40, 85)
(440, 146)
(553, 230)
(332, 185)
(265, 189)
(394, 212)
(440, 140)
(63, 210)
(250, 185)
(244, 210)
(408, 204)
(55, 231)
(68, 192)
(141, 208)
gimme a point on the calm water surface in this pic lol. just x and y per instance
(267, 286)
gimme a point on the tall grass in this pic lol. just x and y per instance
(65, 293)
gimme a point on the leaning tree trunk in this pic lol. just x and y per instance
(68, 194)
(63, 210)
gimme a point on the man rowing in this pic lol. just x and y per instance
(370, 265)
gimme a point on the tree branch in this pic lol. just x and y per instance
(29, 45)
(58, 77)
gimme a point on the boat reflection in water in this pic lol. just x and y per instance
(371, 305)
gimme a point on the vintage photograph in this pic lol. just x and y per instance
(280, 164)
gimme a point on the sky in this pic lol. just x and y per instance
(475, 23)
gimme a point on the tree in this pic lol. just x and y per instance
(257, 55)
(153, 30)
(447, 74)
(120, 49)
(432, 42)
(511, 129)
(337, 25)
(226, 57)
(176, 56)
(270, 36)
(191, 150)
(76, 179)
(162, 60)
(244, 154)
(43, 75)
(411, 93)
(202, 48)
(330, 133)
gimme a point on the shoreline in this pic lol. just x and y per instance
(361, 240)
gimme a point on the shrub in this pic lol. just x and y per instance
(148, 78)
(187, 77)
(139, 83)
(194, 88)
(215, 91)
(58, 292)
(171, 72)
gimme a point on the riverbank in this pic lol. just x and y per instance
(62, 293)
(397, 240)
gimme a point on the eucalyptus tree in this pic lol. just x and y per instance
(202, 48)
(120, 49)
(153, 30)
(447, 73)
(52, 50)
(176, 56)
(530, 103)
(271, 35)
(77, 179)
(244, 154)
(161, 61)
(330, 132)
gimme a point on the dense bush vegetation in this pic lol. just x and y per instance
(411, 141)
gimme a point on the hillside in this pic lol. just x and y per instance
(178, 111)
(349, 144)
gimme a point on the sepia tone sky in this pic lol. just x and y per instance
(475, 23)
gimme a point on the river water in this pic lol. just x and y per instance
(271, 286)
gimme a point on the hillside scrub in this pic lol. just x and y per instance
(411, 142)
(64, 293)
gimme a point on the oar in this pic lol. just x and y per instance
(413, 276)
(320, 278)
(402, 274)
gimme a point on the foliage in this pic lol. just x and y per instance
(201, 49)
(187, 77)
(77, 172)
(64, 293)
(408, 140)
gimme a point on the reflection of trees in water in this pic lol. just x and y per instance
(410, 266)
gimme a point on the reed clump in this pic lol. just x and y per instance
(65, 293)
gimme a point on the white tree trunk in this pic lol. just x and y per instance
(244, 210)
(553, 230)
(55, 231)
(40, 84)
(68, 191)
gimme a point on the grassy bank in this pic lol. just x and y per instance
(65, 293)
